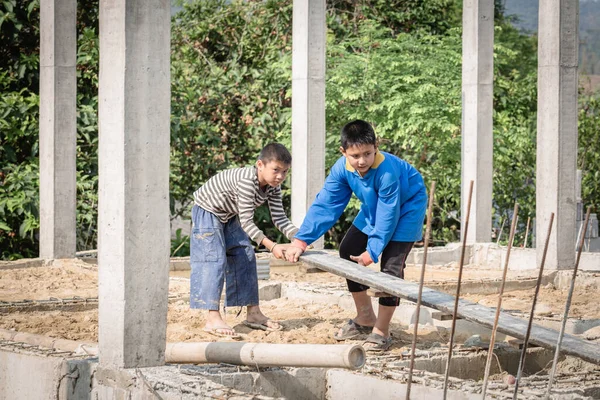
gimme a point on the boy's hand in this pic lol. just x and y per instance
(279, 250)
(364, 259)
(295, 249)
(293, 253)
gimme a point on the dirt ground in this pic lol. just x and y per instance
(304, 322)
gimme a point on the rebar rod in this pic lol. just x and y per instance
(568, 304)
(535, 296)
(419, 296)
(490, 355)
(460, 269)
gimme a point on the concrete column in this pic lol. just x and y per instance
(477, 129)
(58, 128)
(133, 244)
(308, 105)
(558, 39)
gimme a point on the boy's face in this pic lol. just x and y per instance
(361, 157)
(272, 173)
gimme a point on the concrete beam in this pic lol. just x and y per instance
(469, 311)
(308, 105)
(558, 39)
(58, 128)
(134, 121)
(477, 128)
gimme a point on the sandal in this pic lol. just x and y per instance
(263, 326)
(351, 330)
(222, 332)
(381, 343)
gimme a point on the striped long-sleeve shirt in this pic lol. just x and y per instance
(237, 191)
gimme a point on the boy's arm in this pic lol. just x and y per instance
(280, 220)
(324, 211)
(328, 205)
(246, 210)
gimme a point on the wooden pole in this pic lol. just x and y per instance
(420, 295)
(537, 290)
(568, 304)
(490, 355)
(460, 269)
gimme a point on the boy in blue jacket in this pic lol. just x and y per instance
(393, 203)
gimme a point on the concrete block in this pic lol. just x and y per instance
(438, 255)
(269, 291)
(179, 264)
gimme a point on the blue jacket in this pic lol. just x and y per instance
(393, 203)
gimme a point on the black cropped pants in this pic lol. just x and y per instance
(393, 260)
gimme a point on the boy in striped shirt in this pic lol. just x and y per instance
(221, 251)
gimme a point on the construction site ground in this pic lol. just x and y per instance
(304, 321)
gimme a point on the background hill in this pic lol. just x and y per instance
(525, 18)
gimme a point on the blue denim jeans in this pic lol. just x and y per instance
(221, 253)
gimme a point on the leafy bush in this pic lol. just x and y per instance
(394, 63)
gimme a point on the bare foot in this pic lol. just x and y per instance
(224, 331)
(217, 326)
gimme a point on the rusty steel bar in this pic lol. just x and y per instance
(490, 355)
(460, 269)
(419, 296)
(568, 304)
(537, 290)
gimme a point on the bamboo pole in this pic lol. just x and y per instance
(526, 233)
(513, 237)
(237, 353)
(568, 304)
(419, 296)
(500, 232)
(460, 269)
(537, 290)
(490, 355)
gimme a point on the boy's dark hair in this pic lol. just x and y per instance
(357, 133)
(275, 152)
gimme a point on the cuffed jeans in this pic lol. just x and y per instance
(221, 253)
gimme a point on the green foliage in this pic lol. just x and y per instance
(588, 160)
(19, 42)
(180, 245)
(230, 81)
(515, 105)
(19, 211)
(396, 64)
(408, 87)
(18, 170)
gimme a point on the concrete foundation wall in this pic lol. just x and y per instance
(29, 376)
(344, 385)
(297, 384)
(492, 256)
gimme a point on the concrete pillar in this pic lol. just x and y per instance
(133, 244)
(477, 128)
(58, 128)
(557, 131)
(308, 105)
